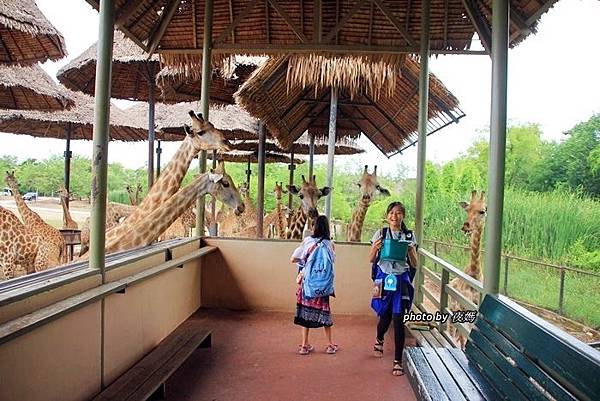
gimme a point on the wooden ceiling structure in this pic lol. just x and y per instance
(174, 29)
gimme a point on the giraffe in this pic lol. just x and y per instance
(149, 228)
(368, 184)
(115, 213)
(52, 246)
(309, 195)
(68, 222)
(476, 211)
(232, 224)
(276, 219)
(202, 136)
(182, 226)
(131, 195)
(18, 245)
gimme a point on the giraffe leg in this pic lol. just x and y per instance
(8, 266)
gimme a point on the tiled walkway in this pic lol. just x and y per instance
(253, 357)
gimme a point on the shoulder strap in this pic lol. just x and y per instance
(384, 232)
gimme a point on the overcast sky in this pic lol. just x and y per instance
(553, 78)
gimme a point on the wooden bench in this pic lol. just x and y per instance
(428, 336)
(146, 379)
(511, 354)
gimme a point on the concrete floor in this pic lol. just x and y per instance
(253, 357)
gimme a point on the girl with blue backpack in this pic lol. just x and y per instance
(393, 289)
(315, 258)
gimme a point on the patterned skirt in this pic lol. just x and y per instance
(312, 312)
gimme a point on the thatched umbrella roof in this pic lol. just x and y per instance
(233, 121)
(132, 71)
(302, 146)
(185, 85)
(26, 35)
(390, 122)
(379, 28)
(26, 88)
(80, 118)
(242, 156)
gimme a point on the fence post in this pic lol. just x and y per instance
(561, 293)
(506, 258)
(435, 266)
(444, 296)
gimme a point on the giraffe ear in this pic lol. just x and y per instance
(463, 204)
(215, 177)
(293, 189)
(383, 191)
(324, 191)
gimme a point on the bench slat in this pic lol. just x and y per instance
(480, 381)
(516, 376)
(492, 373)
(433, 342)
(443, 374)
(422, 379)
(160, 375)
(132, 379)
(444, 343)
(461, 377)
(524, 363)
(569, 361)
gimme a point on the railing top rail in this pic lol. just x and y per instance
(536, 262)
(475, 284)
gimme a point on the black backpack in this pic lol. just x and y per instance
(411, 269)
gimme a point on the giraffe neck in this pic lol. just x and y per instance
(68, 222)
(358, 218)
(474, 269)
(280, 219)
(28, 215)
(167, 184)
(147, 230)
(297, 224)
(131, 200)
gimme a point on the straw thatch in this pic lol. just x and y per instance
(234, 122)
(241, 156)
(26, 35)
(185, 85)
(132, 71)
(378, 28)
(80, 119)
(389, 122)
(30, 88)
(302, 146)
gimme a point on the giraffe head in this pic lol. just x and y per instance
(279, 191)
(244, 190)
(369, 186)
(222, 186)
(309, 195)
(207, 136)
(476, 211)
(11, 181)
(63, 193)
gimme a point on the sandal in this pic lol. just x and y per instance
(378, 348)
(397, 370)
(332, 348)
(305, 349)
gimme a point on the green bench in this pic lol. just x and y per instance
(511, 354)
(146, 379)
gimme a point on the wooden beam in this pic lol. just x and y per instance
(445, 23)
(288, 20)
(317, 22)
(390, 16)
(370, 24)
(122, 28)
(301, 15)
(311, 48)
(267, 21)
(231, 20)
(479, 24)
(347, 117)
(339, 103)
(357, 6)
(407, 21)
(247, 10)
(404, 104)
(384, 136)
(194, 23)
(384, 114)
(165, 18)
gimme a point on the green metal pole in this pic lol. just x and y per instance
(331, 148)
(101, 135)
(204, 98)
(260, 198)
(311, 154)
(422, 141)
(151, 134)
(493, 244)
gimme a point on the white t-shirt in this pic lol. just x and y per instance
(301, 252)
(387, 266)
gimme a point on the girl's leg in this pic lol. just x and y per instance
(331, 347)
(304, 336)
(382, 327)
(397, 370)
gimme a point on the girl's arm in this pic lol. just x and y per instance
(374, 249)
(412, 256)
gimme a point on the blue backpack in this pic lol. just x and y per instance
(318, 272)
